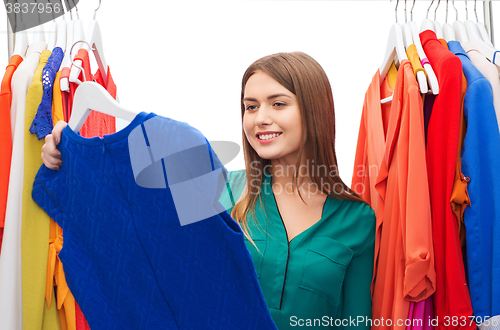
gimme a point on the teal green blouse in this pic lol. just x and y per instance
(320, 279)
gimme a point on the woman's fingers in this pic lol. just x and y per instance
(51, 157)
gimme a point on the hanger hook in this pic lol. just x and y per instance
(406, 19)
(466, 11)
(427, 16)
(456, 11)
(411, 11)
(475, 11)
(396, 10)
(95, 11)
(53, 12)
(446, 17)
(62, 8)
(71, 51)
(435, 11)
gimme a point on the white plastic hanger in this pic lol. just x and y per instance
(484, 34)
(395, 51)
(51, 44)
(427, 24)
(21, 37)
(477, 41)
(94, 43)
(90, 95)
(459, 28)
(38, 32)
(448, 33)
(437, 26)
(61, 32)
(431, 76)
(66, 62)
(408, 40)
(78, 33)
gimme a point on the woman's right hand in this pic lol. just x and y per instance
(51, 157)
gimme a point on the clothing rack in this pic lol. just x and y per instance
(487, 10)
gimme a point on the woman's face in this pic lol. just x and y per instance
(271, 121)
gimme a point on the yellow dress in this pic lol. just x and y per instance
(55, 272)
(35, 222)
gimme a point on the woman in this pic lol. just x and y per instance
(311, 237)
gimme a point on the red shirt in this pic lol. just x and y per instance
(6, 137)
(451, 298)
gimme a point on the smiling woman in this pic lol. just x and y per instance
(311, 238)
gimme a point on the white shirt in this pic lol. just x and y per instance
(11, 309)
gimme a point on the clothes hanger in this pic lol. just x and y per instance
(79, 33)
(448, 33)
(431, 76)
(395, 51)
(94, 40)
(427, 24)
(475, 38)
(21, 39)
(51, 44)
(38, 31)
(61, 32)
(459, 28)
(408, 40)
(66, 62)
(90, 95)
(437, 26)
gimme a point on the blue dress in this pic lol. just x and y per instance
(134, 255)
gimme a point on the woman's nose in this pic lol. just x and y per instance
(263, 117)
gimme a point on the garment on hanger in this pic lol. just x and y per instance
(97, 123)
(370, 148)
(42, 124)
(452, 294)
(35, 222)
(414, 59)
(338, 267)
(479, 162)
(128, 261)
(459, 195)
(488, 70)
(10, 260)
(405, 269)
(6, 137)
(55, 272)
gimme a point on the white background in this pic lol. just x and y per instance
(185, 59)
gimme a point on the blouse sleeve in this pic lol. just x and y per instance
(357, 292)
(358, 278)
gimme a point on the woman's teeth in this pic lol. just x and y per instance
(268, 136)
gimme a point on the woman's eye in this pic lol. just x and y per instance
(279, 104)
(250, 107)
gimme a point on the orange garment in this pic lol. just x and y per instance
(55, 271)
(444, 43)
(459, 195)
(371, 146)
(414, 59)
(404, 268)
(6, 137)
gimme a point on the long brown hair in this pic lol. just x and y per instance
(305, 78)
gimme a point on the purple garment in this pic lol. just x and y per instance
(428, 103)
(421, 315)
